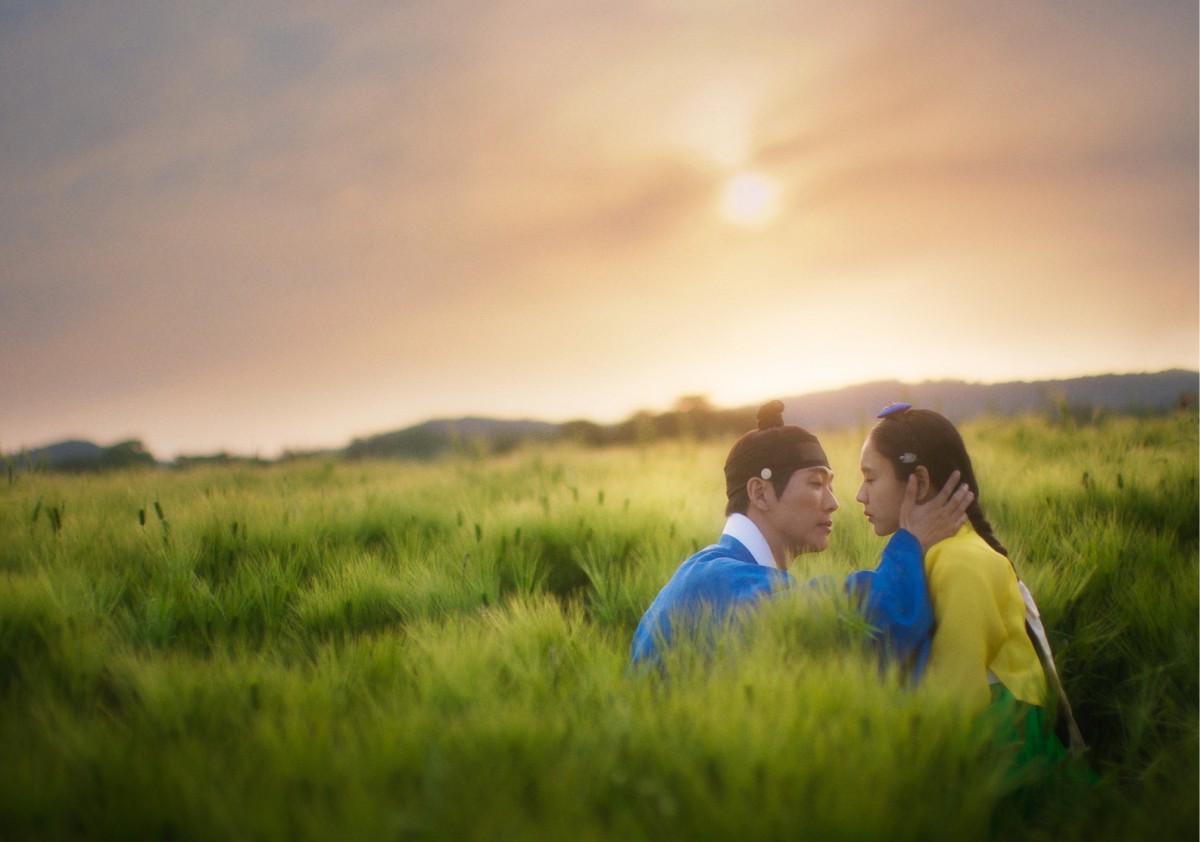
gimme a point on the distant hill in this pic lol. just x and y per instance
(77, 456)
(73, 451)
(693, 417)
(434, 438)
(960, 401)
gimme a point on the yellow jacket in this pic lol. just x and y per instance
(979, 622)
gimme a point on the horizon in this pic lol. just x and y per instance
(265, 226)
(519, 418)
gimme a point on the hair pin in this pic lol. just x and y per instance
(892, 408)
(908, 458)
(765, 473)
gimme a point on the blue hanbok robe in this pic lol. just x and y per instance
(723, 577)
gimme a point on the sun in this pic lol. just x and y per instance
(750, 199)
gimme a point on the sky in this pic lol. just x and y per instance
(266, 225)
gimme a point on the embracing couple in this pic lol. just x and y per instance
(944, 600)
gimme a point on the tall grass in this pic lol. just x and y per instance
(438, 651)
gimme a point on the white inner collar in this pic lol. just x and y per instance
(743, 529)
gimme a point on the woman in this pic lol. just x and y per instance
(980, 646)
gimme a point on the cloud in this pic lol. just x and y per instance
(407, 208)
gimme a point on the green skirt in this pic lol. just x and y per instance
(1026, 727)
(1042, 777)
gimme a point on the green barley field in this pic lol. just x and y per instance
(388, 650)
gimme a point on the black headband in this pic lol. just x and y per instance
(775, 449)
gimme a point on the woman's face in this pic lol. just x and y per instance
(881, 492)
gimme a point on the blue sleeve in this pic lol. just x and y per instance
(896, 603)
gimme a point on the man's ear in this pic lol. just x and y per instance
(923, 485)
(756, 490)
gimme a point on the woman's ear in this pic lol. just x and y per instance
(924, 489)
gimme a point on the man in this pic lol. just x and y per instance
(780, 504)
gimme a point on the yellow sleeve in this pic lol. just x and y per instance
(967, 623)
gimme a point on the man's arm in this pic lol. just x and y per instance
(894, 599)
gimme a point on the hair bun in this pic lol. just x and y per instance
(770, 415)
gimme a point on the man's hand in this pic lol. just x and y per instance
(939, 517)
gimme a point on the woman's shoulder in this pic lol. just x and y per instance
(966, 554)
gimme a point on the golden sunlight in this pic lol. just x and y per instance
(750, 199)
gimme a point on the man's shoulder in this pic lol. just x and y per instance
(726, 549)
(719, 566)
(726, 555)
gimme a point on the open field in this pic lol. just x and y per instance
(386, 650)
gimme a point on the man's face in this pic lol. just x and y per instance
(881, 492)
(802, 516)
